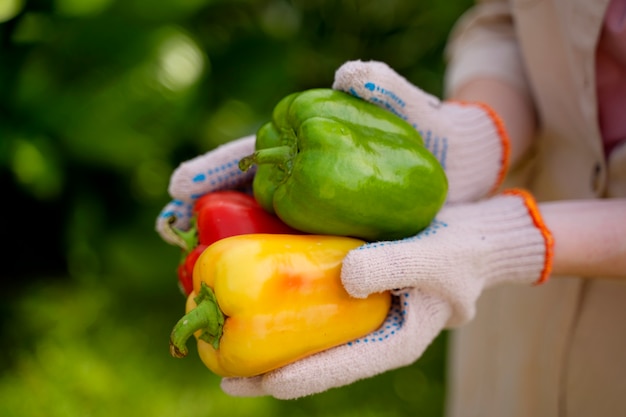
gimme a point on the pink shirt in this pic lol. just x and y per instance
(611, 76)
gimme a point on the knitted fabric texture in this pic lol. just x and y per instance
(468, 139)
(467, 248)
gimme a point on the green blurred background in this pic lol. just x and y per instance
(99, 101)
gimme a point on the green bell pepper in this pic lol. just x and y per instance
(330, 163)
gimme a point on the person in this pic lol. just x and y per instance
(526, 262)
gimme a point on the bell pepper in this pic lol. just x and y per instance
(330, 163)
(218, 215)
(262, 301)
(185, 268)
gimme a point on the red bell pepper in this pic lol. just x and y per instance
(218, 215)
(185, 268)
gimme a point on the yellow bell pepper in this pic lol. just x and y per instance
(262, 301)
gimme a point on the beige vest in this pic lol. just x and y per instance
(559, 349)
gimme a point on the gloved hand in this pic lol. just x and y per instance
(212, 171)
(437, 277)
(468, 139)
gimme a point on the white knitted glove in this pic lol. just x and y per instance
(468, 247)
(212, 171)
(468, 139)
(437, 275)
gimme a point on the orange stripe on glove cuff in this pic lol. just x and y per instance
(503, 136)
(533, 210)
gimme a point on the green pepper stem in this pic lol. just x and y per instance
(184, 239)
(206, 316)
(278, 155)
(190, 236)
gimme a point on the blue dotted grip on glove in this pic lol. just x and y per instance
(434, 227)
(390, 101)
(225, 176)
(393, 323)
(178, 209)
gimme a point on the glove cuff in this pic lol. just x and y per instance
(512, 243)
(521, 244)
(473, 148)
(546, 235)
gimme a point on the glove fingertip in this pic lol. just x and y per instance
(175, 214)
(243, 387)
(182, 180)
(300, 379)
(358, 280)
(354, 74)
(351, 274)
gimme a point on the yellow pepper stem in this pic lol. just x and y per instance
(206, 316)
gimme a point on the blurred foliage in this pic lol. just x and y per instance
(101, 99)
